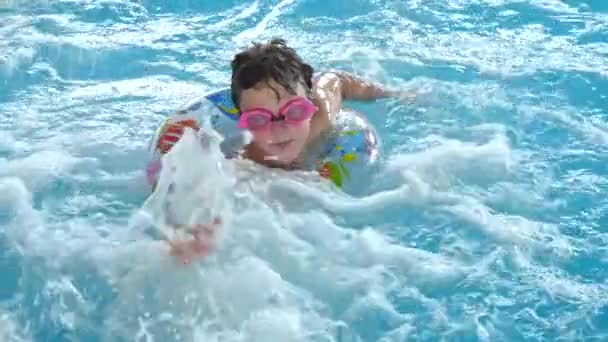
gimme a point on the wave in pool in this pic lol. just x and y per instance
(485, 220)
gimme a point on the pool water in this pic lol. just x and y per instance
(486, 221)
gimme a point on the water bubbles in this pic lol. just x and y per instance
(483, 222)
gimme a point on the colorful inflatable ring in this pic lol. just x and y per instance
(351, 145)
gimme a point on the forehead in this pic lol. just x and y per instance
(264, 94)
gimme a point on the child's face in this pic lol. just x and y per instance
(280, 141)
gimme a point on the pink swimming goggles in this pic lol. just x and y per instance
(294, 111)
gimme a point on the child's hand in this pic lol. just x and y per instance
(172, 132)
(407, 97)
(421, 96)
(201, 245)
(403, 96)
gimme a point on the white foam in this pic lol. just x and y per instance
(40, 168)
(495, 54)
(160, 87)
(554, 6)
(557, 284)
(278, 274)
(449, 160)
(595, 132)
(255, 32)
(233, 16)
(291, 266)
(13, 59)
(14, 195)
(10, 329)
(512, 229)
(9, 144)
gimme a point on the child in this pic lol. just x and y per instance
(286, 109)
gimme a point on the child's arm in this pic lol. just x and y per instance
(353, 87)
(338, 86)
(356, 88)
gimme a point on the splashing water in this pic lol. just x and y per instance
(485, 220)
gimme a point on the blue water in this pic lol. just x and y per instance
(486, 222)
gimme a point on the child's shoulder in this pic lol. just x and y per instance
(325, 74)
(326, 78)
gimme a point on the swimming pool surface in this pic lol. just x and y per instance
(487, 219)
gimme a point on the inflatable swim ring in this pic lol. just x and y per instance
(351, 144)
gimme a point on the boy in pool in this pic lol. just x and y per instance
(286, 109)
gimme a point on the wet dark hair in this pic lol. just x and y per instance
(270, 61)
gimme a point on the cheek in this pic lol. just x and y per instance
(300, 132)
(261, 137)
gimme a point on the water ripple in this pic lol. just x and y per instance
(486, 221)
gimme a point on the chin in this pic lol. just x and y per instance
(286, 160)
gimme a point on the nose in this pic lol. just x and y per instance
(279, 131)
(279, 127)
